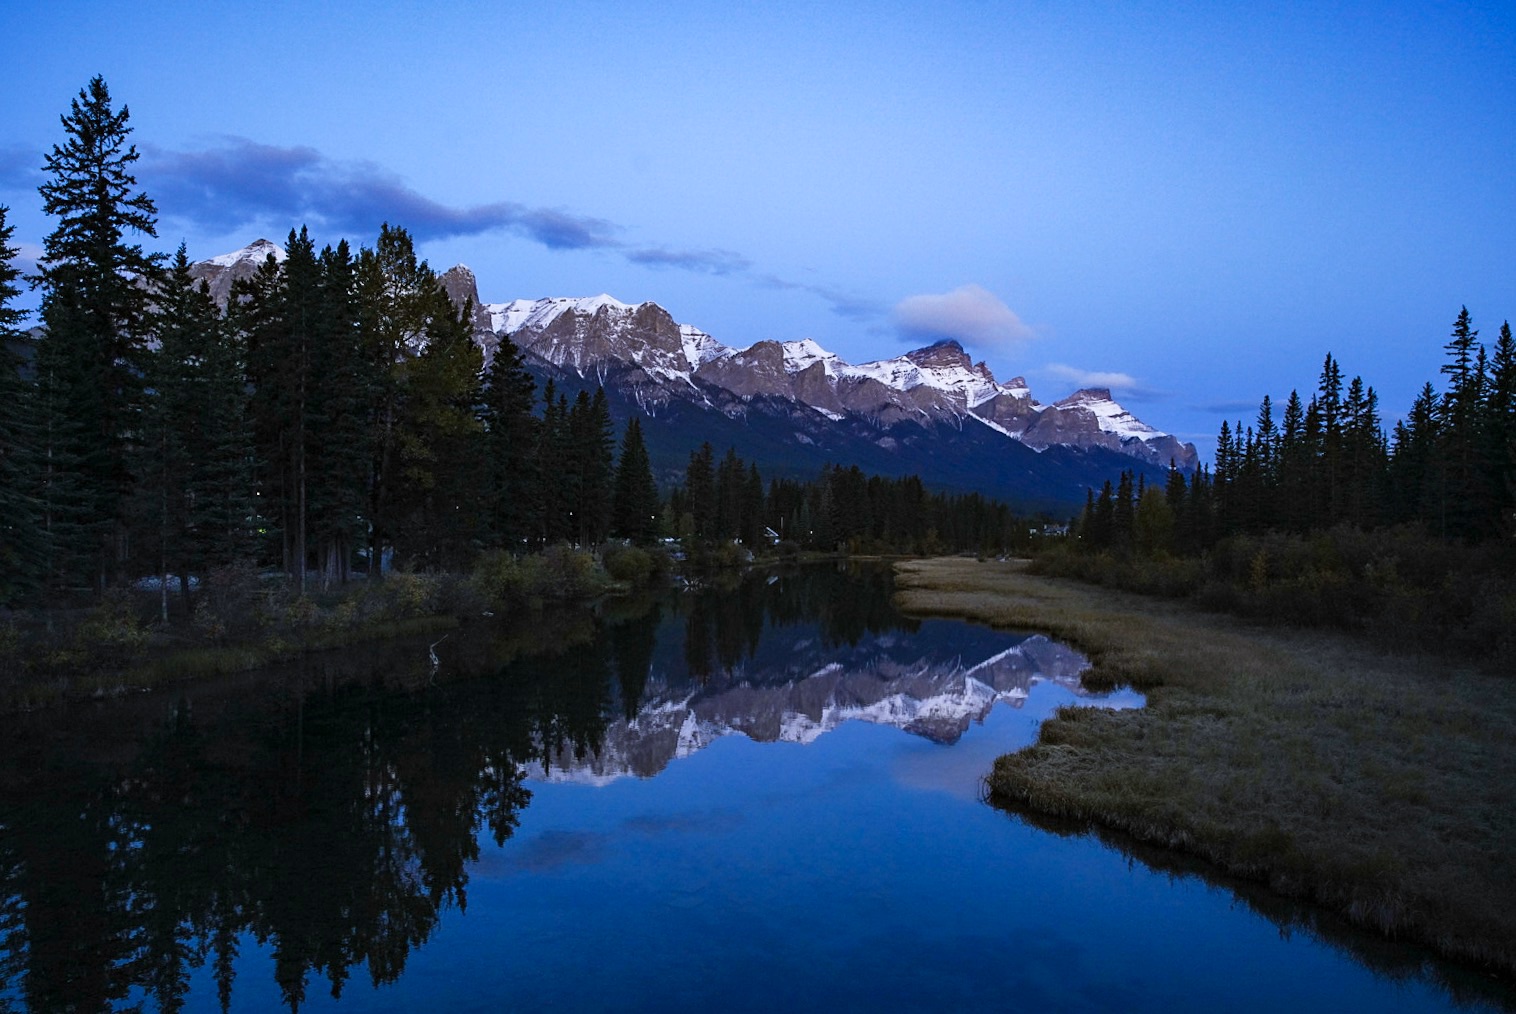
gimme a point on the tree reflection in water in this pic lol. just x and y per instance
(330, 811)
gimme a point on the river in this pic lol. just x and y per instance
(749, 797)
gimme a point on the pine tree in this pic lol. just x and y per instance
(22, 555)
(1500, 439)
(510, 439)
(1293, 485)
(595, 443)
(1459, 426)
(438, 486)
(753, 520)
(1414, 475)
(339, 452)
(634, 501)
(170, 424)
(1329, 507)
(394, 293)
(555, 476)
(95, 310)
(700, 490)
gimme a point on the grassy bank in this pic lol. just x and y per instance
(1375, 784)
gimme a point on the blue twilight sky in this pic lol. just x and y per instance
(1190, 203)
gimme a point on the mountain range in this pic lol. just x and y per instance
(792, 407)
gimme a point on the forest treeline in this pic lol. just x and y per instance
(1321, 516)
(335, 415)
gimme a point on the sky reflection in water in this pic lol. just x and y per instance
(699, 803)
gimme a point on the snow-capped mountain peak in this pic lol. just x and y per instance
(255, 252)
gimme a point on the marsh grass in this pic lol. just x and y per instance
(1376, 784)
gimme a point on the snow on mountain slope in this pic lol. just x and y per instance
(659, 359)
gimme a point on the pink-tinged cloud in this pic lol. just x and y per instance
(970, 313)
(1120, 384)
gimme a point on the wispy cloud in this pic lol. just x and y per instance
(843, 304)
(1121, 384)
(970, 313)
(1231, 408)
(711, 262)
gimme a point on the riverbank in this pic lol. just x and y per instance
(1375, 784)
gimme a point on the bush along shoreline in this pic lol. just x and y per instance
(243, 620)
(1318, 763)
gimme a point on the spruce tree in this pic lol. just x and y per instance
(1500, 438)
(1458, 478)
(339, 453)
(700, 490)
(22, 556)
(395, 290)
(634, 502)
(510, 438)
(170, 424)
(96, 289)
(438, 509)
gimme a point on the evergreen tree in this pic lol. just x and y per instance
(339, 453)
(22, 557)
(700, 491)
(395, 291)
(1415, 478)
(1328, 499)
(731, 487)
(634, 501)
(596, 444)
(510, 440)
(1459, 426)
(170, 424)
(437, 492)
(753, 520)
(96, 315)
(555, 476)
(1500, 437)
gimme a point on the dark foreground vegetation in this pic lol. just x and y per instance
(1369, 781)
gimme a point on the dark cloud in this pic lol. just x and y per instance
(713, 262)
(241, 183)
(237, 184)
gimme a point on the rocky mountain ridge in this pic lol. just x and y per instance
(663, 359)
(792, 406)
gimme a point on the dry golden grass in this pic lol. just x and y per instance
(1380, 785)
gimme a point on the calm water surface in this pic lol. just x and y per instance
(743, 799)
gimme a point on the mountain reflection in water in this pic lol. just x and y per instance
(300, 836)
(330, 810)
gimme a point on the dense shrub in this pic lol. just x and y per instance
(557, 573)
(1401, 584)
(628, 563)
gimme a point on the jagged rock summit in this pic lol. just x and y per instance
(660, 360)
(221, 273)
